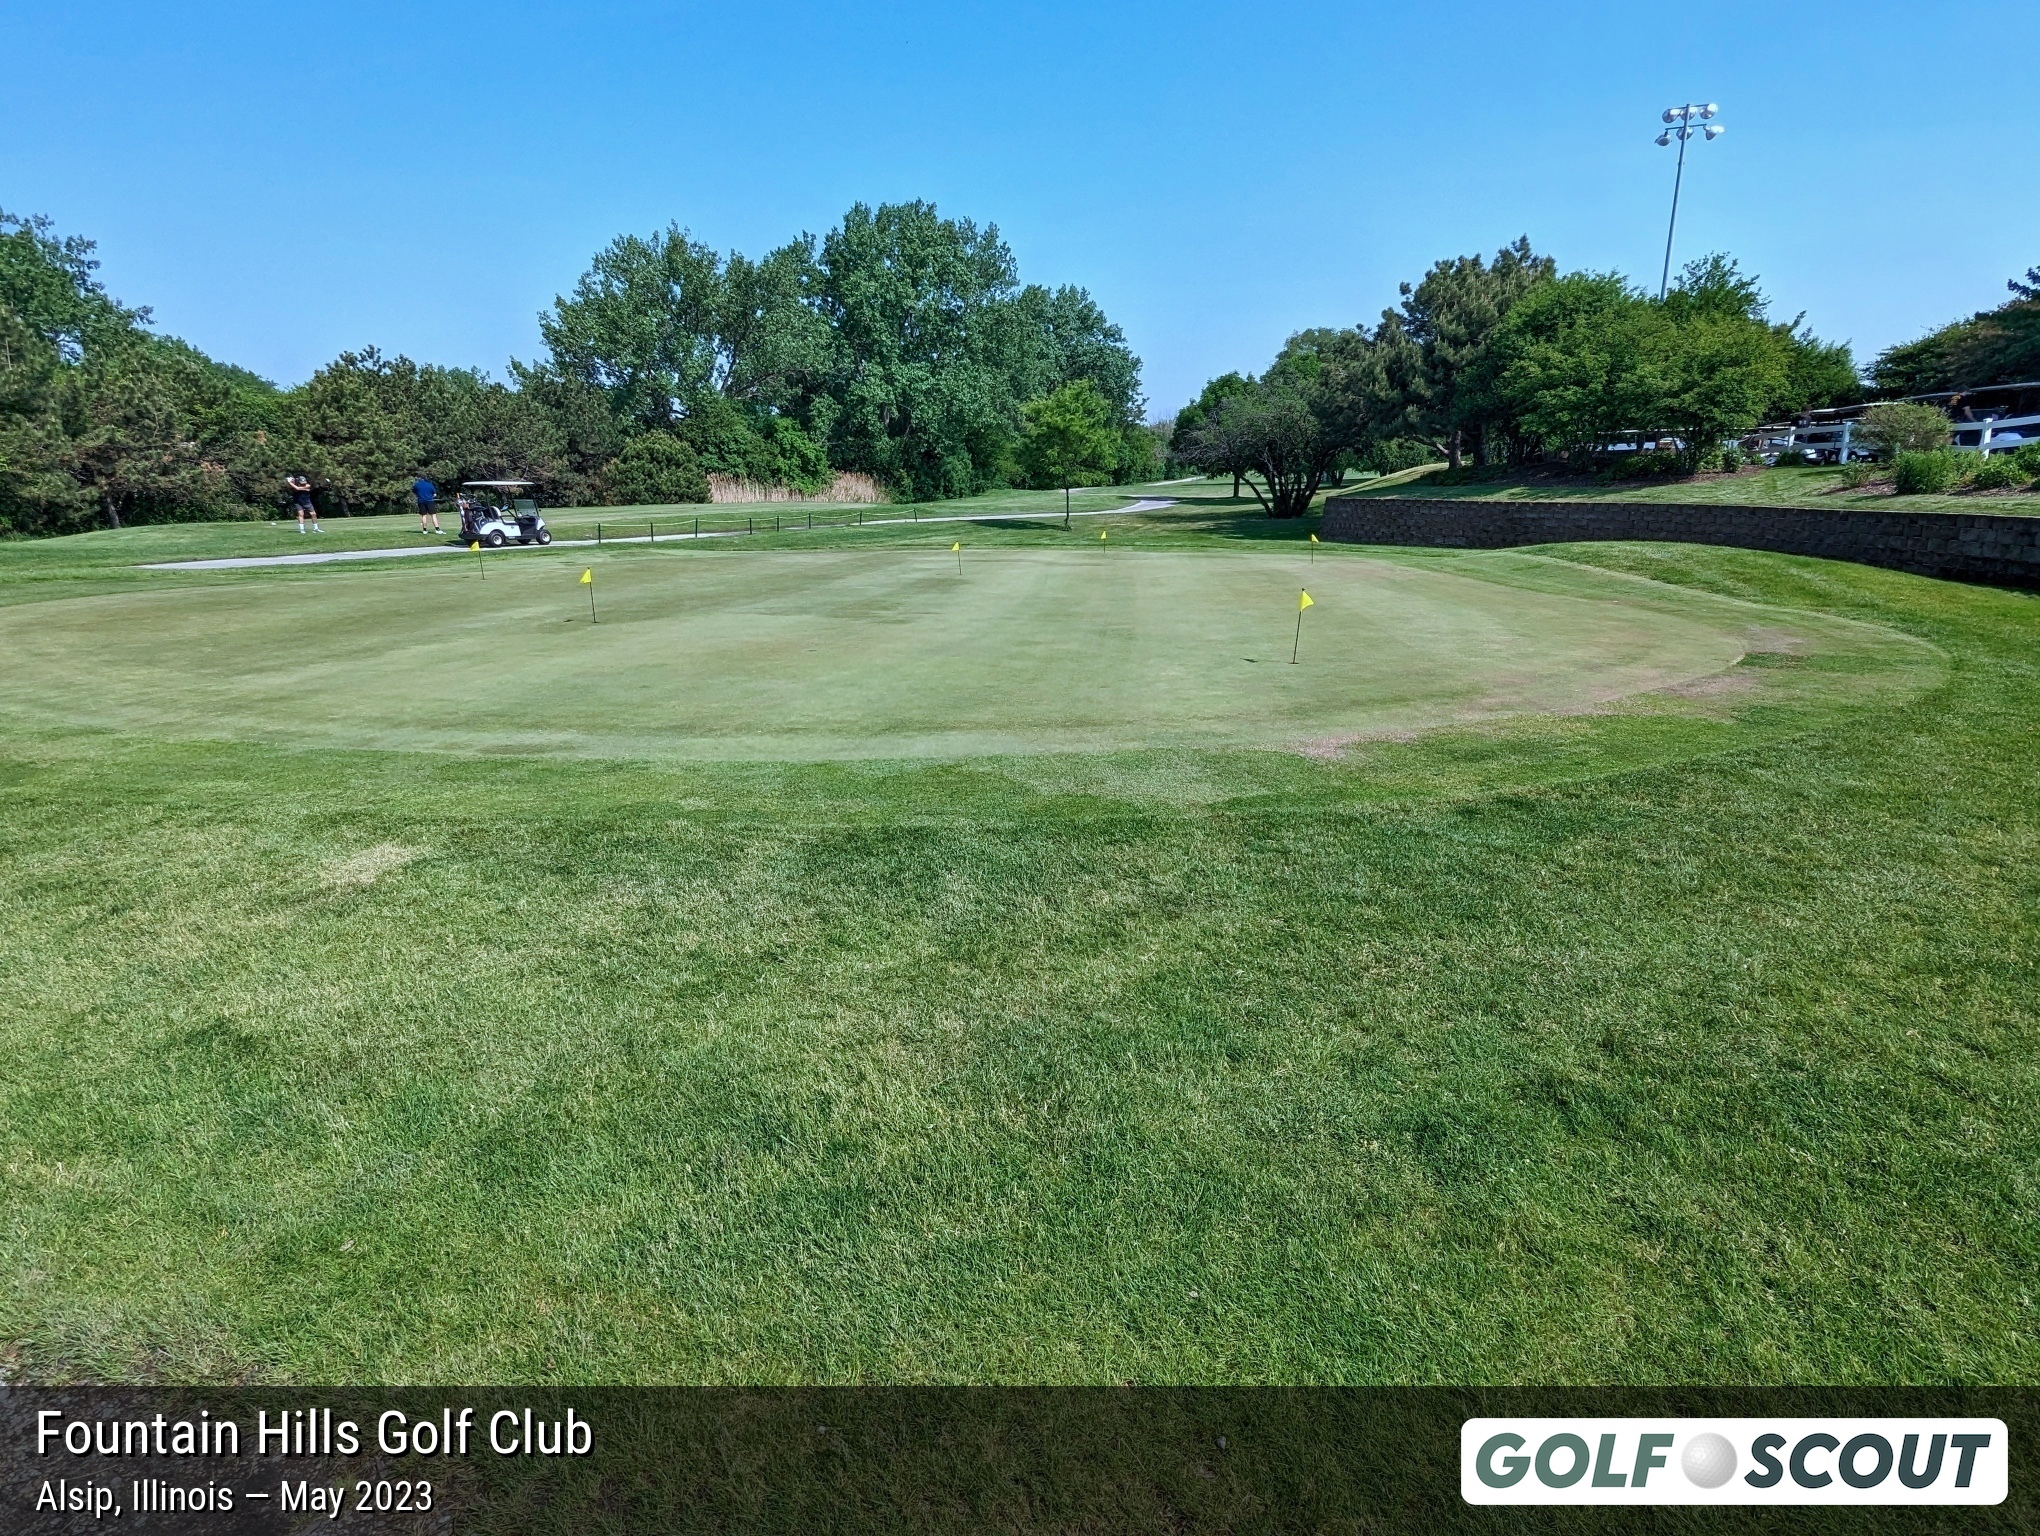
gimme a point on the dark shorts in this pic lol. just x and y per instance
(302, 503)
(428, 509)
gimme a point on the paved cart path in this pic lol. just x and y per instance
(1143, 505)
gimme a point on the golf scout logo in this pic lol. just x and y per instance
(1733, 1461)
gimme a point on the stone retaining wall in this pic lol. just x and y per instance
(1962, 546)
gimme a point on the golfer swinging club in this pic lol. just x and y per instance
(300, 490)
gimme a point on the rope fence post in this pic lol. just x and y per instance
(598, 533)
(653, 530)
(697, 527)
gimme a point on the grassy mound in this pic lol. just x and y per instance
(1829, 489)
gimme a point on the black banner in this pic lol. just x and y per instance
(486, 1460)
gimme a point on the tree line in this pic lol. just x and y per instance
(1507, 361)
(901, 345)
(1994, 346)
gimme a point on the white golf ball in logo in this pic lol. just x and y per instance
(1708, 1460)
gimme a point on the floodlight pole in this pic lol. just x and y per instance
(1678, 178)
(1683, 118)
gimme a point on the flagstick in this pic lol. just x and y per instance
(1298, 643)
(591, 604)
(479, 561)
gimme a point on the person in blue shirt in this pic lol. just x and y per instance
(428, 505)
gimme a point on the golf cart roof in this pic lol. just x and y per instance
(499, 484)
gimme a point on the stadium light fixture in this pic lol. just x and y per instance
(1682, 120)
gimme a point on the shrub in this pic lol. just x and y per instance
(1894, 427)
(1791, 458)
(1469, 474)
(726, 440)
(1395, 455)
(1731, 458)
(1998, 472)
(2028, 459)
(1858, 473)
(797, 459)
(1652, 461)
(1924, 473)
(1140, 454)
(656, 469)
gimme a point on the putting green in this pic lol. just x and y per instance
(882, 653)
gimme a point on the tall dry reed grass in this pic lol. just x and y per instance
(849, 485)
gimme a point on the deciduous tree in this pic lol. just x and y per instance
(1197, 415)
(1284, 428)
(928, 371)
(47, 280)
(1068, 438)
(1994, 346)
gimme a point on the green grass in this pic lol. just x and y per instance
(210, 541)
(1688, 1036)
(867, 652)
(1810, 487)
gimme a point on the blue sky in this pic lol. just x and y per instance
(280, 182)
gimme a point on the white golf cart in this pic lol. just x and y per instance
(492, 514)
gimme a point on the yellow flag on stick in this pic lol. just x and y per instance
(480, 564)
(1101, 535)
(1313, 549)
(1313, 538)
(475, 548)
(588, 581)
(587, 578)
(955, 549)
(1303, 601)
